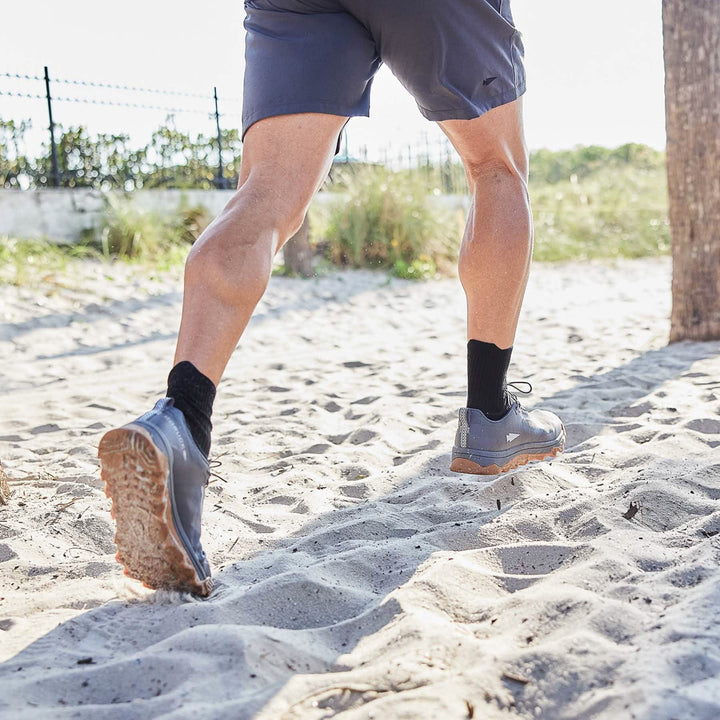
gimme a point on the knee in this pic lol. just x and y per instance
(497, 173)
(501, 202)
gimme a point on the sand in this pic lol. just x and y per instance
(357, 577)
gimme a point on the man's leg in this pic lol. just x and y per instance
(285, 161)
(495, 434)
(155, 469)
(495, 254)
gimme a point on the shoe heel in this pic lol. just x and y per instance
(135, 473)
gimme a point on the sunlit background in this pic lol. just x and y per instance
(595, 72)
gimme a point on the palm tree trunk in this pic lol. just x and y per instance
(4, 488)
(297, 253)
(691, 31)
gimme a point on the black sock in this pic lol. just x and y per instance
(487, 371)
(193, 394)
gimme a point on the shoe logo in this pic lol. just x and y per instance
(511, 436)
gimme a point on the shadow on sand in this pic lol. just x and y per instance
(324, 588)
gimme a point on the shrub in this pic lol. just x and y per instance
(615, 211)
(387, 220)
(422, 268)
(130, 232)
(33, 261)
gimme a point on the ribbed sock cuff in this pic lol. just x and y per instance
(193, 394)
(487, 372)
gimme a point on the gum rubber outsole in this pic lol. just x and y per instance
(463, 465)
(135, 473)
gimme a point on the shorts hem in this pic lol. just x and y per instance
(322, 107)
(470, 112)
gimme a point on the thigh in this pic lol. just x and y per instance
(458, 58)
(305, 56)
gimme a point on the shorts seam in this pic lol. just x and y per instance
(511, 50)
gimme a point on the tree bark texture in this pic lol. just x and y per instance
(4, 488)
(691, 32)
(297, 253)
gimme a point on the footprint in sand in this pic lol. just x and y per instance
(366, 400)
(350, 473)
(706, 426)
(630, 410)
(338, 439)
(362, 436)
(317, 449)
(519, 566)
(350, 415)
(48, 428)
(294, 601)
(282, 500)
(359, 491)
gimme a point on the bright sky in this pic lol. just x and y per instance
(595, 70)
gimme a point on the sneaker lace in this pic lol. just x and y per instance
(516, 385)
(214, 464)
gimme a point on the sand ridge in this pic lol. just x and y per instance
(357, 577)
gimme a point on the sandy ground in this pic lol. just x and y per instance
(357, 576)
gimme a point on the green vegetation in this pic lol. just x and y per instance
(127, 233)
(24, 262)
(172, 159)
(132, 233)
(421, 268)
(385, 220)
(588, 202)
(594, 202)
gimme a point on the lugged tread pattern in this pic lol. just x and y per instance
(135, 473)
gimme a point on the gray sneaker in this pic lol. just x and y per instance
(488, 447)
(156, 476)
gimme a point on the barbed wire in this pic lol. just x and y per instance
(142, 106)
(22, 95)
(117, 86)
(131, 88)
(21, 77)
(112, 103)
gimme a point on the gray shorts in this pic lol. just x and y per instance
(458, 58)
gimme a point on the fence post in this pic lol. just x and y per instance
(220, 179)
(53, 149)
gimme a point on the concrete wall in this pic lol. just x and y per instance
(63, 215)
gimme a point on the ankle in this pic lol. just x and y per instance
(193, 394)
(487, 371)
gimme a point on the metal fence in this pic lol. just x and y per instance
(90, 93)
(431, 159)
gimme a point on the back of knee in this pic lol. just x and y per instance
(494, 170)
